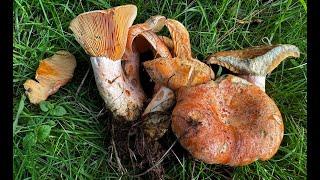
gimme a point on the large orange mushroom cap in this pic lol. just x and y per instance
(228, 121)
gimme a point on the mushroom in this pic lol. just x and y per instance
(183, 70)
(103, 35)
(228, 121)
(142, 38)
(167, 41)
(52, 73)
(253, 64)
(172, 73)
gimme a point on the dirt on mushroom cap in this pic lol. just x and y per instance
(230, 121)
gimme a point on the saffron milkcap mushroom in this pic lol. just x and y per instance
(103, 35)
(142, 38)
(228, 121)
(167, 41)
(52, 73)
(254, 63)
(182, 70)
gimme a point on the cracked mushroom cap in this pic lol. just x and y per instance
(51, 74)
(178, 72)
(228, 121)
(182, 70)
(260, 60)
(109, 40)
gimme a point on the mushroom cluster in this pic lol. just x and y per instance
(229, 120)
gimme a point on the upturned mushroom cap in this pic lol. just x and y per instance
(182, 70)
(104, 32)
(178, 72)
(154, 24)
(258, 61)
(228, 121)
(180, 38)
(51, 74)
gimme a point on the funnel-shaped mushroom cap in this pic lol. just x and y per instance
(259, 60)
(227, 121)
(104, 32)
(143, 38)
(51, 74)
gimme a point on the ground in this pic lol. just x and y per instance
(50, 143)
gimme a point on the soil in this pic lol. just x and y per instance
(139, 154)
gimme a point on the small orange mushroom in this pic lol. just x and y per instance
(182, 70)
(254, 63)
(228, 121)
(51, 74)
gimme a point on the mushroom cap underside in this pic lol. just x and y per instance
(259, 60)
(104, 32)
(228, 121)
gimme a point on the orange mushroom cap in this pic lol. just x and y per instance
(228, 121)
(182, 70)
(51, 74)
(104, 32)
(178, 72)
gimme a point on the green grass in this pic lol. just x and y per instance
(77, 145)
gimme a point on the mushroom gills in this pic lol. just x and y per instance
(254, 63)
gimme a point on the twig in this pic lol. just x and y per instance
(81, 84)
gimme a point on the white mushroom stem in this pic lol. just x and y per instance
(120, 96)
(259, 81)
